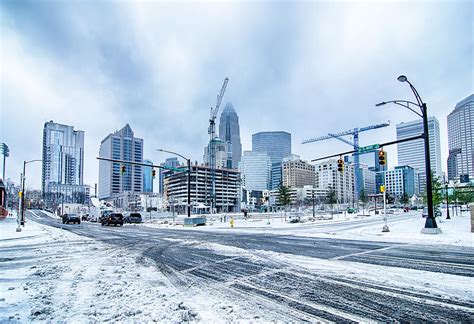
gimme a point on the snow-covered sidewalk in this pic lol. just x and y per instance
(455, 231)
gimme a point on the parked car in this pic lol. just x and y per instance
(133, 218)
(436, 210)
(113, 218)
(71, 218)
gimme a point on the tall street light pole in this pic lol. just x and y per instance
(189, 176)
(430, 225)
(6, 153)
(22, 219)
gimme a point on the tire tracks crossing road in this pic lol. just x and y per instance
(287, 289)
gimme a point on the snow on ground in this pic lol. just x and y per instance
(49, 274)
(404, 228)
(455, 231)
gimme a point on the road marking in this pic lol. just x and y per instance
(367, 252)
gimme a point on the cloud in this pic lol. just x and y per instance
(308, 68)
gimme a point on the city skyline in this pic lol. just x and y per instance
(302, 84)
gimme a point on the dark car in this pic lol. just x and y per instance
(133, 218)
(113, 218)
(71, 218)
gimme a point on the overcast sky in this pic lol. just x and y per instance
(307, 68)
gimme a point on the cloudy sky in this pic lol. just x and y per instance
(308, 68)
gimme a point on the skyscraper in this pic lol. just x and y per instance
(276, 145)
(229, 133)
(148, 177)
(461, 141)
(63, 164)
(412, 153)
(255, 170)
(121, 145)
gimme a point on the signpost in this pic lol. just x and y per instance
(368, 148)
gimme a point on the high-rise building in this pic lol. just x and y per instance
(461, 141)
(400, 180)
(412, 153)
(223, 155)
(171, 162)
(327, 176)
(276, 176)
(368, 179)
(276, 145)
(297, 173)
(255, 169)
(63, 164)
(229, 132)
(121, 145)
(148, 177)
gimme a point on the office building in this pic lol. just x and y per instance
(400, 180)
(276, 177)
(148, 177)
(276, 145)
(297, 173)
(121, 145)
(63, 164)
(223, 154)
(227, 188)
(327, 177)
(171, 162)
(229, 132)
(412, 153)
(461, 141)
(368, 179)
(255, 169)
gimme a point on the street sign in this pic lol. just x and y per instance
(368, 148)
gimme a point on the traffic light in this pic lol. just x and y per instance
(382, 156)
(122, 170)
(340, 165)
(153, 173)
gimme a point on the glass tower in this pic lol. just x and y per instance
(148, 177)
(412, 153)
(276, 145)
(255, 169)
(229, 133)
(461, 141)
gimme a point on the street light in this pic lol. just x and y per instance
(189, 176)
(430, 224)
(22, 217)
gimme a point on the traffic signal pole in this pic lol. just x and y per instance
(380, 145)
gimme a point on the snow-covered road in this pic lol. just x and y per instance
(139, 273)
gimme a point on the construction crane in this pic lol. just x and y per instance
(355, 144)
(212, 146)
